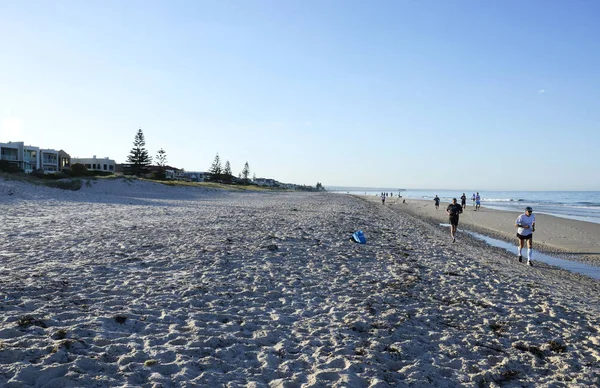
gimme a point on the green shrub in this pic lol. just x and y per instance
(158, 175)
(38, 173)
(65, 184)
(77, 169)
(102, 173)
(6, 166)
(49, 176)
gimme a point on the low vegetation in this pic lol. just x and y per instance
(215, 185)
(77, 177)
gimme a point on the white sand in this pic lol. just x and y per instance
(143, 285)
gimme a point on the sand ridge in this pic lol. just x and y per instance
(147, 285)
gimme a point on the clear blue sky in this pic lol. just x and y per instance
(466, 95)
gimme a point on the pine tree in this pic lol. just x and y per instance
(161, 158)
(227, 176)
(216, 170)
(246, 172)
(138, 156)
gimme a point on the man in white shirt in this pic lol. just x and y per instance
(525, 225)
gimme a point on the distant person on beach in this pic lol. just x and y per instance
(453, 210)
(437, 202)
(382, 198)
(525, 225)
(477, 201)
(473, 199)
(463, 201)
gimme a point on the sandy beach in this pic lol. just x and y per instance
(574, 240)
(137, 284)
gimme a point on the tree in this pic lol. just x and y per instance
(161, 158)
(216, 170)
(246, 172)
(227, 176)
(138, 156)
(319, 187)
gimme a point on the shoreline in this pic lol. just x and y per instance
(565, 238)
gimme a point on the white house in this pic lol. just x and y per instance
(170, 174)
(193, 176)
(96, 164)
(24, 157)
(289, 186)
(31, 158)
(49, 160)
(265, 182)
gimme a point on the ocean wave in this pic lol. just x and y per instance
(587, 204)
(503, 200)
(595, 207)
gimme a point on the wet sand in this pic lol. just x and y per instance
(571, 239)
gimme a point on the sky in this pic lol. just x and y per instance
(465, 95)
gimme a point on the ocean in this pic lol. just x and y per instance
(575, 205)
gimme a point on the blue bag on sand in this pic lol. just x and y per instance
(359, 237)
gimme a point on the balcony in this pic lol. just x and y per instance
(9, 157)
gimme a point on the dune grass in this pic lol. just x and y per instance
(75, 183)
(215, 185)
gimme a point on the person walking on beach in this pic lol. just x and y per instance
(382, 198)
(473, 199)
(463, 201)
(437, 202)
(477, 201)
(453, 210)
(525, 225)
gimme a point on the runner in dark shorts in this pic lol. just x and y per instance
(525, 224)
(454, 220)
(463, 201)
(453, 210)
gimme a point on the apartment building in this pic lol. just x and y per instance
(96, 164)
(20, 155)
(49, 160)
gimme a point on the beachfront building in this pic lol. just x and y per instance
(31, 159)
(170, 174)
(64, 160)
(266, 182)
(20, 155)
(96, 164)
(49, 161)
(192, 176)
(289, 186)
(12, 153)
